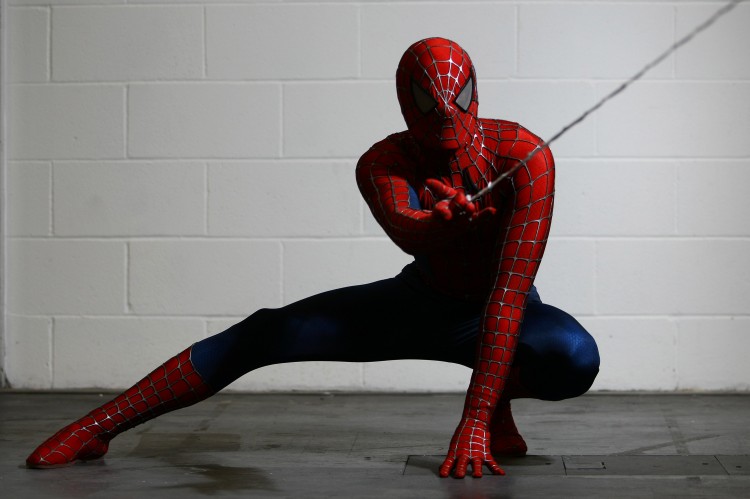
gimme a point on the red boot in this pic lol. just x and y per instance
(504, 437)
(171, 386)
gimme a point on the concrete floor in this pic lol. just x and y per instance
(305, 445)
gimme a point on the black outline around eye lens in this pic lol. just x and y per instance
(468, 88)
(420, 96)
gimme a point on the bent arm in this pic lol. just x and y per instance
(382, 177)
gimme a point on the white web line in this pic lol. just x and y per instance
(679, 43)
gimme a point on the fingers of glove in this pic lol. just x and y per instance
(484, 214)
(439, 188)
(461, 464)
(445, 468)
(461, 205)
(476, 466)
(443, 210)
(494, 467)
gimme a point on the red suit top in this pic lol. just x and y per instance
(488, 250)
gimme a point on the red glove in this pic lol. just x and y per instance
(470, 444)
(453, 204)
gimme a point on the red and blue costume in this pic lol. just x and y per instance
(467, 298)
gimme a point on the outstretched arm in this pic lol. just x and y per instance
(518, 254)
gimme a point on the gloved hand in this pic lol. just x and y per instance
(470, 444)
(454, 205)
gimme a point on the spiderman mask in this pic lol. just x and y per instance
(437, 91)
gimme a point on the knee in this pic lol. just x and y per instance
(576, 374)
(583, 357)
(558, 377)
(563, 363)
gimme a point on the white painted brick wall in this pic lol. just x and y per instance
(282, 41)
(175, 165)
(29, 339)
(28, 34)
(696, 181)
(673, 276)
(51, 121)
(29, 198)
(592, 40)
(529, 103)
(716, 364)
(318, 115)
(339, 262)
(269, 199)
(203, 277)
(203, 120)
(52, 276)
(113, 340)
(127, 43)
(415, 376)
(569, 264)
(682, 119)
(487, 30)
(713, 56)
(129, 199)
(637, 353)
(638, 206)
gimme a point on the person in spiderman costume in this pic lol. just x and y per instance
(467, 298)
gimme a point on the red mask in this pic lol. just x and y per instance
(437, 91)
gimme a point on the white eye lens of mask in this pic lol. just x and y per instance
(422, 99)
(464, 97)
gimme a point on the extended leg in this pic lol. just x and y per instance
(173, 385)
(360, 323)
